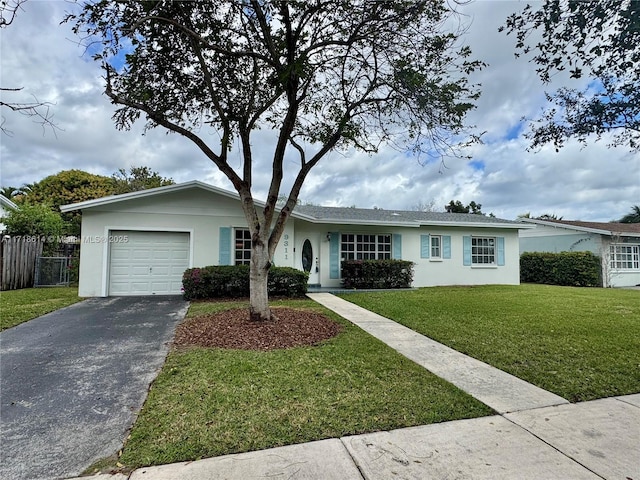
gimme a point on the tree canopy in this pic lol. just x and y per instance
(65, 187)
(138, 178)
(459, 207)
(633, 216)
(597, 40)
(37, 219)
(320, 75)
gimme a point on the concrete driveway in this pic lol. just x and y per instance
(72, 381)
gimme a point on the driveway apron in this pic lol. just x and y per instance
(72, 381)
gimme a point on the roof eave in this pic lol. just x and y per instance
(149, 193)
(437, 223)
(579, 228)
(343, 221)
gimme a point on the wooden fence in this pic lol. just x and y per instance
(18, 261)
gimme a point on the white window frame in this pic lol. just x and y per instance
(435, 246)
(366, 246)
(624, 256)
(241, 246)
(485, 249)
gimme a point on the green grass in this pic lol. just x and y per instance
(580, 343)
(18, 306)
(209, 402)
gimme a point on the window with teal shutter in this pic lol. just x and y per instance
(397, 246)
(334, 255)
(224, 254)
(424, 246)
(446, 246)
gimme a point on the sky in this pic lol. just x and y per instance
(592, 183)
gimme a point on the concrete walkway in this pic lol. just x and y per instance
(537, 436)
(499, 390)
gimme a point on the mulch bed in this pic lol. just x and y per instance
(233, 329)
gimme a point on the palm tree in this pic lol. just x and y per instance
(9, 192)
(633, 217)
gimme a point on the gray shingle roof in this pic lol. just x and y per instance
(398, 217)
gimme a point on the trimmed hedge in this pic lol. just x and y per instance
(574, 269)
(232, 281)
(377, 273)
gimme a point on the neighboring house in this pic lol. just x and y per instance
(6, 205)
(140, 243)
(617, 244)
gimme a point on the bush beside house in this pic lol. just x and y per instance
(232, 281)
(377, 273)
(575, 269)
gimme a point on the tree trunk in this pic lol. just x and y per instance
(258, 275)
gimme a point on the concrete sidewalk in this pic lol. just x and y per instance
(537, 436)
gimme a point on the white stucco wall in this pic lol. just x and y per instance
(426, 272)
(201, 214)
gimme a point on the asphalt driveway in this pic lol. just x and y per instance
(72, 381)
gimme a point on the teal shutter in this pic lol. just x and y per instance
(224, 257)
(500, 242)
(446, 246)
(334, 255)
(425, 246)
(397, 246)
(466, 251)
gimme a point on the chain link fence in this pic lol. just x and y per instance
(52, 271)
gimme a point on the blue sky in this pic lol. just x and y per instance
(593, 183)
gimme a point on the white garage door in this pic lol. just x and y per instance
(147, 263)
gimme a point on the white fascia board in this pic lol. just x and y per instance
(579, 228)
(436, 223)
(342, 221)
(7, 203)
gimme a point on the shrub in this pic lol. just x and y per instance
(377, 273)
(232, 281)
(575, 269)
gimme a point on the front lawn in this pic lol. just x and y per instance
(212, 401)
(580, 343)
(18, 306)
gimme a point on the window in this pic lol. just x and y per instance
(483, 251)
(243, 246)
(365, 246)
(625, 257)
(436, 246)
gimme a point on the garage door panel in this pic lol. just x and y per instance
(180, 255)
(139, 270)
(176, 271)
(161, 271)
(148, 263)
(141, 253)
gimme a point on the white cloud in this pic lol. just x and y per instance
(594, 183)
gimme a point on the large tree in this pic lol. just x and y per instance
(319, 74)
(11, 97)
(68, 186)
(598, 40)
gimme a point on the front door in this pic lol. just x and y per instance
(311, 260)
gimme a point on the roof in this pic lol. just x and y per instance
(316, 214)
(365, 216)
(5, 202)
(602, 228)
